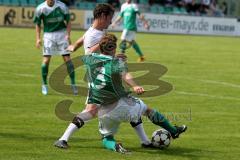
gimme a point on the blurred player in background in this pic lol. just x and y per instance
(103, 14)
(128, 13)
(115, 104)
(56, 38)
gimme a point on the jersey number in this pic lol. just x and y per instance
(99, 78)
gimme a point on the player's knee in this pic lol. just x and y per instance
(93, 113)
(134, 124)
(78, 122)
(66, 58)
(148, 111)
(46, 60)
(92, 109)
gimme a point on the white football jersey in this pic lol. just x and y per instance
(127, 5)
(92, 37)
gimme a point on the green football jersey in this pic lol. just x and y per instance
(53, 18)
(104, 76)
(129, 15)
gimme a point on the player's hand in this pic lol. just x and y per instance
(38, 43)
(71, 48)
(146, 26)
(121, 56)
(138, 89)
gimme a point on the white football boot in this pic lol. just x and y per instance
(44, 89)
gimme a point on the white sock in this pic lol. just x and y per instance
(141, 134)
(69, 131)
(85, 116)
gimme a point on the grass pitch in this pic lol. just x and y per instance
(204, 72)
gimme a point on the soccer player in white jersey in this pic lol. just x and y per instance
(128, 13)
(115, 104)
(103, 14)
(56, 27)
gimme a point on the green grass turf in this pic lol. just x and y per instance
(203, 70)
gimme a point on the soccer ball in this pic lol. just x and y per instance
(161, 138)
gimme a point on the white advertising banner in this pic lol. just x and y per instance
(178, 24)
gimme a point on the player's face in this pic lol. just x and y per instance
(107, 21)
(50, 2)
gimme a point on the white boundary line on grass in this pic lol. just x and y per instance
(207, 95)
(205, 81)
(204, 94)
(19, 74)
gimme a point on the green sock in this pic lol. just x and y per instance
(123, 46)
(159, 119)
(71, 72)
(109, 143)
(137, 49)
(44, 73)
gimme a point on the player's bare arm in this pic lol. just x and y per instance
(79, 43)
(117, 20)
(76, 45)
(95, 48)
(145, 22)
(38, 36)
(128, 78)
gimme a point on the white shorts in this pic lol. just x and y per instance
(129, 109)
(55, 43)
(128, 35)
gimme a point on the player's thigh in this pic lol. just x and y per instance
(127, 109)
(108, 126)
(135, 108)
(62, 43)
(127, 35)
(139, 108)
(91, 108)
(49, 45)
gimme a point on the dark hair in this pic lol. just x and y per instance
(108, 43)
(103, 9)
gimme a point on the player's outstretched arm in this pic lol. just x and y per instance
(76, 45)
(145, 22)
(95, 48)
(117, 20)
(128, 78)
(38, 36)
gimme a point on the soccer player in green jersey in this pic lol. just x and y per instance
(102, 16)
(56, 38)
(128, 13)
(115, 105)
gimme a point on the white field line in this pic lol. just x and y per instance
(19, 74)
(207, 95)
(204, 94)
(205, 81)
